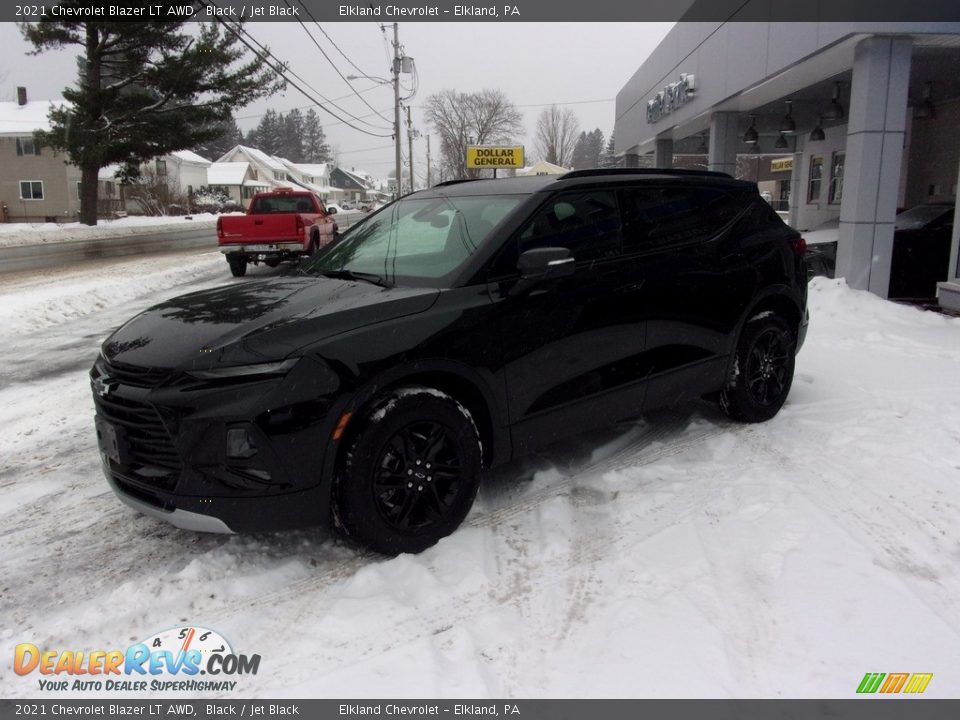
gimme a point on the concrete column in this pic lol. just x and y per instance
(948, 293)
(631, 160)
(797, 196)
(724, 143)
(954, 273)
(875, 136)
(663, 153)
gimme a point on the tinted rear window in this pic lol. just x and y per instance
(655, 217)
(282, 204)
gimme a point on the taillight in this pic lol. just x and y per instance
(301, 226)
(798, 245)
(220, 227)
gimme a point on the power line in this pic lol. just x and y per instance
(327, 58)
(303, 107)
(315, 22)
(280, 71)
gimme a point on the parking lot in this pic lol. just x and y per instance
(783, 559)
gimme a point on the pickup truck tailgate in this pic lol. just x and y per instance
(260, 228)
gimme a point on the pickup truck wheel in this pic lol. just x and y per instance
(763, 370)
(238, 264)
(411, 472)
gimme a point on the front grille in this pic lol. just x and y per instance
(148, 440)
(138, 377)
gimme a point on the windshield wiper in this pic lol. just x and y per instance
(353, 275)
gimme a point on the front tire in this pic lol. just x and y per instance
(238, 264)
(411, 473)
(763, 370)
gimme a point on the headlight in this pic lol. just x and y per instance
(280, 367)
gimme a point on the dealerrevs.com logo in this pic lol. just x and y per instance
(187, 659)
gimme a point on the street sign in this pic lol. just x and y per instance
(494, 156)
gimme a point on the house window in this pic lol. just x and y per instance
(835, 194)
(816, 178)
(27, 146)
(161, 167)
(31, 190)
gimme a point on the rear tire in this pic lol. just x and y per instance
(762, 370)
(238, 265)
(411, 473)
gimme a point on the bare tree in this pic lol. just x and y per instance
(557, 130)
(158, 194)
(479, 118)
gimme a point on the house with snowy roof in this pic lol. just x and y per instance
(265, 172)
(356, 185)
(36, 185)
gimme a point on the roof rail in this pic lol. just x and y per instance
(445, 183)
(600, 172)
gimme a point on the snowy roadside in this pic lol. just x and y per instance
(681, 556)
(17, 234)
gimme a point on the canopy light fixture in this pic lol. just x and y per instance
(781, 143)
(787, 125)
(751, 136)
(926, 109)
(817, 134)
(834, 111)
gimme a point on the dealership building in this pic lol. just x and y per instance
(846, 122)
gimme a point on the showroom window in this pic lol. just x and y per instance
(31, 190)
(836, 178)
(816, 178)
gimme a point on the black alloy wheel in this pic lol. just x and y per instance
(418, 476)
(410, 472)
(762, 370)
(766, 371)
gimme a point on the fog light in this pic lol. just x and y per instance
(239, 444)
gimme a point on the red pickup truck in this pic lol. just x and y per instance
(279, 225)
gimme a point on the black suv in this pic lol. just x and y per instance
(452, 330)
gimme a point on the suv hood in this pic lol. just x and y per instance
(256, 321)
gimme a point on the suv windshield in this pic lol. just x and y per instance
(416, 240)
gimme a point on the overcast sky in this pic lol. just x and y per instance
(535, 64)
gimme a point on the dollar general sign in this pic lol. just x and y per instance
(494, 156)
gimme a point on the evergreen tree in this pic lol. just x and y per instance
(268, 135)
(315, 148)
(609, 158)
(588, 151)
(291, 146)
(143, 89)
(229, 136)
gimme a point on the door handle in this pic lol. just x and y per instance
(629, 288)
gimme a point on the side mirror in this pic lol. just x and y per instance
(331, 211)
(545, 263)
(542, 264)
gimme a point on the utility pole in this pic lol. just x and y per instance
(396, 105)
(428, 161)
(410, 145)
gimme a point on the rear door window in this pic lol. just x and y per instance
(658, 217)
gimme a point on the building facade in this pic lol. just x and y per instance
(866, 110)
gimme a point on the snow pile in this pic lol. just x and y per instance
(681, 556)
(12, 234)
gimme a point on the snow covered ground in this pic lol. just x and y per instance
(12, 234)
(681, 556)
